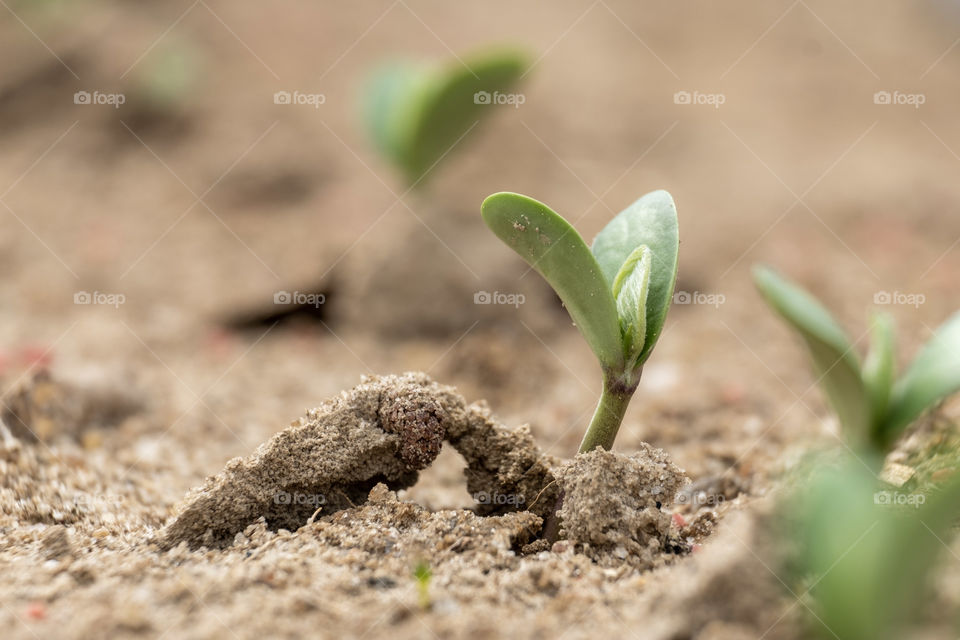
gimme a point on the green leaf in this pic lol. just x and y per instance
(630, 289)
(870, 560)
(417, 114)
(933, 375)
(834, 360)
(879, 368)
(555, 249)
(390, 104)
(650, 221)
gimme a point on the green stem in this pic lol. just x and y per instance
(609, 414)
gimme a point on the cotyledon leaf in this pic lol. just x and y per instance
(555, 249)
(630, 289)
(650, 221)
(418, 114)
(933, 375)
(879, 368)
(835, 362)
(390, 101)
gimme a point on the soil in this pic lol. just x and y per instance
(149, 452)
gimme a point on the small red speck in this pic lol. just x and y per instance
(679, 521)
(35, 355)
(36, 611)
(732, 394)
(695, 548)
(219, 343)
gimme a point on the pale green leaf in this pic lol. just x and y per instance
(933, 375)
(834, 359)
(650, 221)
(417, 114)
(879, 368)
(630, 289)
(555, 249)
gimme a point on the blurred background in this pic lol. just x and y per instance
(155, 198)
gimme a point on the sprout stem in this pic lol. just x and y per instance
(609, 413)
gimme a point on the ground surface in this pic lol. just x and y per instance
(199, 210)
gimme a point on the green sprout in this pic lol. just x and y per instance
(422, 574)
(866, 554)
(874, 407)
(417, 114)
(618, 291)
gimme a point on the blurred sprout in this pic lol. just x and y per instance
(873, 405)
(167, 78)
(416, 114)
(867, 553)
(422, 574)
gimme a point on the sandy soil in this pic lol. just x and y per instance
(197, 204)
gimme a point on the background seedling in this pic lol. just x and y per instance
(422, 574)
(417, 114)
(866, 554)
(618, 291)
(873, 405)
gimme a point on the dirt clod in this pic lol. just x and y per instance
(613, 506)
(505, 469)
(43, 407)
(418, 419)
(383, 431)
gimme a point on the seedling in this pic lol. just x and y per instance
(618, 291)
(873, 406)
(417, 114)
(867, 554)
(422, 574)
